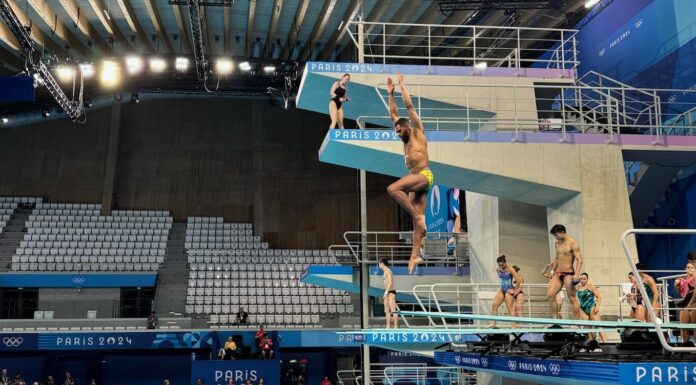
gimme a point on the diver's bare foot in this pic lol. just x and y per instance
(413, 263)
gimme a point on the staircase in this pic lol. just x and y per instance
(11, 237)
(173, 275)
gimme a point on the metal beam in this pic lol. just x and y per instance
(81, 22)
(324, 17)
(250, 26)
(59, 31)
(110, 26)
(205, 31)
(37, 34)
(151, 6)
(339, 34)
(181, 23)
(227, 41)
(275, 15)
(295, 29)
(134, 25)
(457, 18)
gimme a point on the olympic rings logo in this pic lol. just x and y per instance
(12, 342)
(79, 280)
(555, 369)
(484, 362)
(512, 365)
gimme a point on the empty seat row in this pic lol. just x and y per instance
(97, 237)
(21, 200)
(262, 260)
(312, 301)
(278, 291)
(85, 266)
(223, 238)
(258, 253)
(87, 259)
(280, 308)
(263, 319)
(8, 205)
(91, 252)
(140, 213)
(102, 232)
(97, 218)
(214, 226)
(101, 225)
(93, 245)
(73, 212)
(234, 267)
(223, 245)
(218, 232)
(64, 206)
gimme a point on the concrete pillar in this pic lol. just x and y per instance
(111, 159)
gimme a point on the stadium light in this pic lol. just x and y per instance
(269, 68)
(591, 3)
(181, 64)
(45, 113)
(5, 119)
(65, 73)
(482, 65)
(134, 64)
(224, 66)
(87, 70)
(245, 66)
(110, 74)
(157, 65)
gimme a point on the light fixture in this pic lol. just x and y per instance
(245, 66)
(591, 3)
(45, 113)
(65, 73)
(106, 14)
(157, 64)
(110, 74)
(224, 66)
(482, 65)
(5, 119)
(87, 70)
(134, 98)
(269, 68)
(181, 64)
(38, 82)
(134, 64)
(88, 103)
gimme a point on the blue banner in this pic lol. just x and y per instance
(218, 372)
(75, 280)
(16, 89)
(651, 373)
(126, 340)
(406, 337)
(443, 209)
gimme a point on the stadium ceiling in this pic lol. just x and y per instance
(281, 30)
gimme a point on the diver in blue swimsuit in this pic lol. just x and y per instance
(510, 286)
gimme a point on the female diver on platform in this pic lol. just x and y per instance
(338, 95)
(590, 299)
(510, 287)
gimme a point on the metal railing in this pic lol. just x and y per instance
(417, 373)
(581, 108)
(650, 310)
(476, 45)
(474, 298)
(439, 247)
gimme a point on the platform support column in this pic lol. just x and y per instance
(364, 268)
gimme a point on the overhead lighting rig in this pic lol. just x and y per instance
(475, 5)
(34, 64)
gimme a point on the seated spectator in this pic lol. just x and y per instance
(230, 349)
(326, 381)
(266, 347)
(199, 381)
(93, 382)
(261, 382)
(230, 382)
(4, 378)
(68, 379)
(18, 379)
(50, 380)
(165, 381)
(248, 382)
(259, 335)
(152, 320)
(242, 317)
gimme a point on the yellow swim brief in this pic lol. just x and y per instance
(431, 178)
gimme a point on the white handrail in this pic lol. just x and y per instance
(641, 287)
